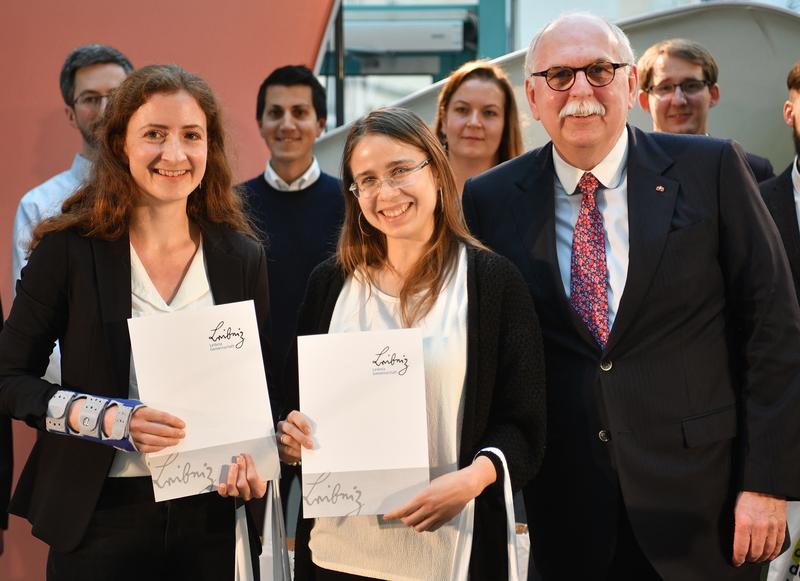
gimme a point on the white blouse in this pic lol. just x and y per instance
(367, 545)
(194, 293)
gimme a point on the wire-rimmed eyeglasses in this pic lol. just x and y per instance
(688, 87)
(399, 177)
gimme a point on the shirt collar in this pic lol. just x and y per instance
(608, 172)
(81, 168)
(308, 178)
(193, 287)
(796, 176)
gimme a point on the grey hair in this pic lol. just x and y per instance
(85, 56)
(626, 51)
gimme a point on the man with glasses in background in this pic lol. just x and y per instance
(88, 76)
(678, 85)
(670, 329)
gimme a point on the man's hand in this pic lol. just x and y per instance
(760, 527)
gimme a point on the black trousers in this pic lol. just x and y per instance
(321, 574)
(131, 537)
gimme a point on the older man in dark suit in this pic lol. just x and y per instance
(669, 325)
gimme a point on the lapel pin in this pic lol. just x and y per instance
(659, 188)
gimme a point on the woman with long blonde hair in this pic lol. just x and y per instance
(406, 259)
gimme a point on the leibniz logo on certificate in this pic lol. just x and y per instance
(225, 336)
(387, 362)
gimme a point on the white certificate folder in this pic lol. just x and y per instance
(205, 366)
(364, 394)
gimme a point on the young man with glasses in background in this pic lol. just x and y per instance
(678, 85)
(89, 75)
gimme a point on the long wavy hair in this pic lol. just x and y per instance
(103, 206)
(511, 139)
(362, 247)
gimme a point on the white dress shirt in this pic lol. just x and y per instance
(42, 202)
(310, 176)
(612, 202)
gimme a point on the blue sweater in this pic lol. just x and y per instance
(300, 229)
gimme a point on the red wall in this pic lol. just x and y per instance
(233, 45)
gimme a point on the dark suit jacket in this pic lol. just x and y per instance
(761, 166)
(77, 290)
(707, 294)
(778, 194)
(6, 458)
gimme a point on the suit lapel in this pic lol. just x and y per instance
(225, 275)
(534, 213)
(781, 205)
(113, 276)
(651, 204)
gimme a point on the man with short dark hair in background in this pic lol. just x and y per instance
(670, 329)
(678, 85)
(297, 207)
(88, 77)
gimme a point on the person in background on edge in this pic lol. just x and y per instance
(477, 120)
(296, 206)
(406, 259)
(677, 87)
(670, 328)
(6, 463)
(88, 77)
(782, 197)
(157, 229)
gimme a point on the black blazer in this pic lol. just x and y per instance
(761, 166)
(697, 392)
(77, 290)
(504, 392)
(778, 194)
(6, 458)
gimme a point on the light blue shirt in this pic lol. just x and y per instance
(42, 202)
(612, 201)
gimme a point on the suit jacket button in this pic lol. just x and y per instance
(604, 435)
(606, 365)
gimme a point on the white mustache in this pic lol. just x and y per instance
(582, 108)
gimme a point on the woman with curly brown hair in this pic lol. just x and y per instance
(156, 229)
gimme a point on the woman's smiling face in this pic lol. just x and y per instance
(167, 148)
(401, 213)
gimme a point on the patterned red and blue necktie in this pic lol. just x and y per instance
(588, 270)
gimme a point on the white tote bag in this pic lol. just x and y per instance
(274, 561)
(464, 544)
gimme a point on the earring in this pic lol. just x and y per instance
(441, 198)
(359, 225)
